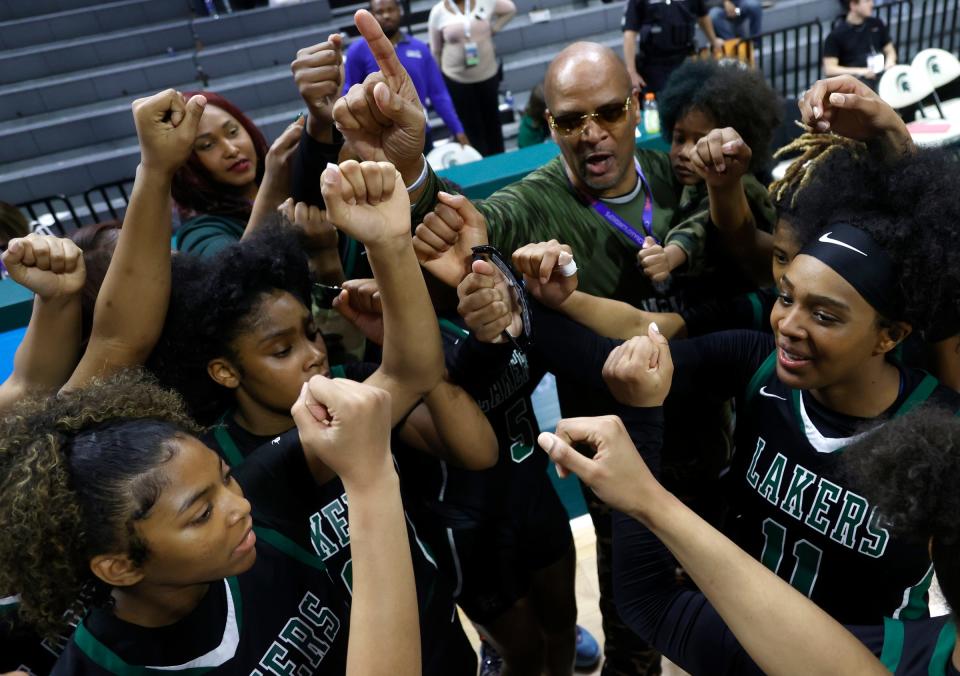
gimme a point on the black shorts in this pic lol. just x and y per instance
(495, 562)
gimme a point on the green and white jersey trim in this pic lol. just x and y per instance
(819, 442)
(914, 606)
(107, 659)
(892, 651)
(824, 444)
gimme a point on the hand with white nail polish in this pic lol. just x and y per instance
(846, 106)
(639, 372)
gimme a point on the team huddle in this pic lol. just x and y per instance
(302, 441)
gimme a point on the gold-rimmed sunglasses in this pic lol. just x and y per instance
(572, 123)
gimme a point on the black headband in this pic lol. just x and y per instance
(853, 255)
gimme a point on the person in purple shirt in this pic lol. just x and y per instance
(416, 58)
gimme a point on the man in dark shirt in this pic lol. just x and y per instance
(658, 35)
(859, 44)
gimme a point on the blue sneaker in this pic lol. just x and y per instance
(490, 660)
(588, 650)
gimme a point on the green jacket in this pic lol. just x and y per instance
(544, 206)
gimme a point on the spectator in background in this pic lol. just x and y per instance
(217, 185)
(658, 35)
(461, 40)
(416, 58)
(859, 44)
(533, 124)
(737, 19)
(232, 178)
(13, 224)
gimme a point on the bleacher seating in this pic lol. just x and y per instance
(70, 68)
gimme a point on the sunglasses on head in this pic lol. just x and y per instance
(572, 123)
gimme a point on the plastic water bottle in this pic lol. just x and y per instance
(509, 111)
(651, 116)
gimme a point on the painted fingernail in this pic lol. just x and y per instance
(816, 112)
(656, 329)
(331, 174)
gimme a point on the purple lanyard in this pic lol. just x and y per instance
(620, 224)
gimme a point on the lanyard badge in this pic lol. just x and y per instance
(619, 223)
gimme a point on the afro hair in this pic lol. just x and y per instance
(909, 207)
(213, 301)
(732, 95)
(909, 471)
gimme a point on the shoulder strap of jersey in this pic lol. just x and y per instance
(108, 660)
(338, 371)
(757, 310)
(760, 375)
(919, 395)
(282, 543)
(227, 444)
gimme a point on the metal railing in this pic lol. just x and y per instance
(790, 58)
(61, 215)
(915, 25)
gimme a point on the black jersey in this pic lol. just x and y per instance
(283, 616)
(683, 625)
(919, 647)
(280, 617)
(21, 648)
(743, 311)
(791, 506)
(320, 525)
(501, 379)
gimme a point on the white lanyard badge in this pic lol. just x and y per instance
(464, 16)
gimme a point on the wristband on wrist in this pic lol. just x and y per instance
(420, 179)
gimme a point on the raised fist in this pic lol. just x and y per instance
(167, 127)
(49, 266)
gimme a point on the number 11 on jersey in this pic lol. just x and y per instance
(806, 557)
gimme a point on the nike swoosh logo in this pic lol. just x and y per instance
(763, 391)
(827, 239)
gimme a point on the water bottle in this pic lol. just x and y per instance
(651, 116)
(511, 111)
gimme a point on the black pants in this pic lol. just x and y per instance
(477, 105)
(656, 73)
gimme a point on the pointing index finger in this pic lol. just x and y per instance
(382, 49)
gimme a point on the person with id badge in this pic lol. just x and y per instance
(461, 40)
(859, 44)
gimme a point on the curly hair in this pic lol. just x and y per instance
(732, 96)
(215, 300)
(196, 192)
(909, 471)
(910, 208)
(78, 471)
